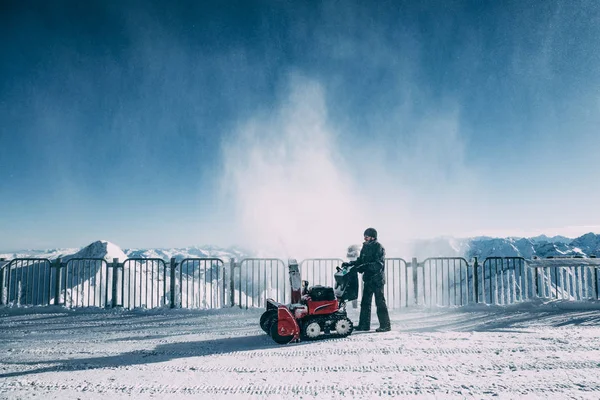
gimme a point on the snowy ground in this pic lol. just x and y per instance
(541, 351)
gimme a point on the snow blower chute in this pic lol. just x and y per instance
(314, 312)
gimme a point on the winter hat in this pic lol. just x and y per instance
(353, 251)
(371, 232)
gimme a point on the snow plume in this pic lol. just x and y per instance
(298, 189)
(292, 193)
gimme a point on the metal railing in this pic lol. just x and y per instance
(320, 271)
(28, 282)
(256, 279)
(202, 283)
(210, 283)
(399, 283)
(446, 281)
(566, 278)
(506, 280)
(85, 283)
(144, 283)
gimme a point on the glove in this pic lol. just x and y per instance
(345, 265)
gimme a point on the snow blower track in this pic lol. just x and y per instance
(534, 351)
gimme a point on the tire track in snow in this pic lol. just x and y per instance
(459, 368)
(289, 351)
(385, 389)
(391, 351)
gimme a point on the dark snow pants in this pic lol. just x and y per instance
(370, 289)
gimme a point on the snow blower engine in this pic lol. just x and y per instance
(314, 312)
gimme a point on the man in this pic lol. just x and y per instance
(371, 263)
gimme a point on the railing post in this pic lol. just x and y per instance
(406, 293)
(475, 281)
(536, 284)
(173, 265)
(415, 265)
(231, 282)
(224, 280)
(2, 263)
(596, 283)
(115, 280)
(239, 266)
(105, 284)
(57, 264)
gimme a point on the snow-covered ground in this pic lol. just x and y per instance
(524, 351)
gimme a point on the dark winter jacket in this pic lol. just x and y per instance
(371, 262)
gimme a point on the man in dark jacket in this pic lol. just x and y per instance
(371, 263)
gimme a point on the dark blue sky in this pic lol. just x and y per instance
(116, 118)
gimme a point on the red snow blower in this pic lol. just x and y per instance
(314, 312)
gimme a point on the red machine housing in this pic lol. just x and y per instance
(289, 317)
(284, 322)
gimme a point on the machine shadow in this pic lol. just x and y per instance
(161, 353)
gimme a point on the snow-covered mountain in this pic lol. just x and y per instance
(481, 247)
(50, 254)
(437, 247)
(586, 245)
(554, 239)
(99, 249)
(108, 251)
(189, 252)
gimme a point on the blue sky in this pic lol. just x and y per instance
(154, 124)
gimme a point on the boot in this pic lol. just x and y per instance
(361, 328)
(383, 329)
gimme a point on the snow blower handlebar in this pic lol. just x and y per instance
(346, 282)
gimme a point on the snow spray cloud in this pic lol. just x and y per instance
(293, 196)
(295, 193)
(341, 152)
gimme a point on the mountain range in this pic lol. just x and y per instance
(481, 247)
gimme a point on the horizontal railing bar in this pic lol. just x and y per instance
(563, 262)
